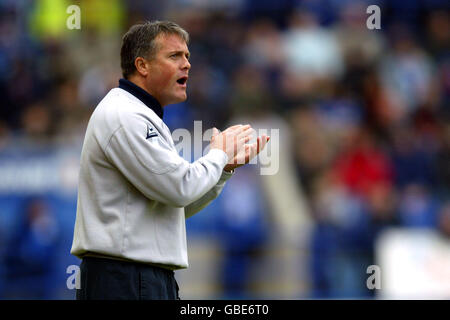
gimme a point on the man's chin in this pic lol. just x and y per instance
(176, 99)
(181, 98)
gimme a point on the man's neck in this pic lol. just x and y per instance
(143, 95)
(140, 82)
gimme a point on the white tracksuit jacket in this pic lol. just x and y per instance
(135, 191)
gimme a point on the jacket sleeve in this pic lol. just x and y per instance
(154, 167)
(212, 194)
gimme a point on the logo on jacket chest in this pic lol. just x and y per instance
(151, 132)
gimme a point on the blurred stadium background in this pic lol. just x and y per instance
(364, 148)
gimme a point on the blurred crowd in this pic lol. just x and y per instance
(367, 111)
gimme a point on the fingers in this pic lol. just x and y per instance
(246, 132)
(234, 141)
(262, 142)
(255, 148)
(241, 134)
(238, 128)
(234, 127)
(248, 151)
(216, 131)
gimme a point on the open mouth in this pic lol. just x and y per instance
(182, 80)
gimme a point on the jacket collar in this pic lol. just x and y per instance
(142, 95)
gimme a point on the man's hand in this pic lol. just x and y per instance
(247, 154)
(242, 153)
(232, 140)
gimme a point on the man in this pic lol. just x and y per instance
(135, 191)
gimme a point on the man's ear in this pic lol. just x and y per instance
(142, 66)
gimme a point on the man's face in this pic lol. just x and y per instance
(169, 70)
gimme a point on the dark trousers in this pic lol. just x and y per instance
(108, 279)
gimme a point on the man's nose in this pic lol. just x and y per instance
(186, 64)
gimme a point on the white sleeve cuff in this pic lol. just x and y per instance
(219, 156)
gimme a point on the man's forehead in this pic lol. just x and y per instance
(171, 42)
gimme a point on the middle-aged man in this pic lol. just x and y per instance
(135, 191)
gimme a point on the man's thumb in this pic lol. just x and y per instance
(215, 132)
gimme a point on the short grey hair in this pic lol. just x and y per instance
(139, 41)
